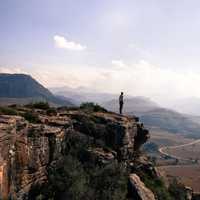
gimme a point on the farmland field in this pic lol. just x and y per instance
(189, 175)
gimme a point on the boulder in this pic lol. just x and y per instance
(138, 189)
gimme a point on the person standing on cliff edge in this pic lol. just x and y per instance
(121, 102)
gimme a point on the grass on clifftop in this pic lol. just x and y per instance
(39, 105)
(8, 111)
(89, 106)
(31, 117)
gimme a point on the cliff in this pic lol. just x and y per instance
(31, 153)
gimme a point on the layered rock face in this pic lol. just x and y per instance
(28, 150)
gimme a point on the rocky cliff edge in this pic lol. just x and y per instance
(29, 150)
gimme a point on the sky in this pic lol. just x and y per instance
(142, 47)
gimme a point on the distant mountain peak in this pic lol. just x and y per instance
(23, 86)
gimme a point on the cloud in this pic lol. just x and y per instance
(12, 70)
(118, 63)
(63, 43)
(137, 79)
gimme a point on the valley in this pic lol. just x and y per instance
(177, 157)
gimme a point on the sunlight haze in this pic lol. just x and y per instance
(145, 48)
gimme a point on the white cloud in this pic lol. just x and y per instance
(138, 79)
(63, 43)
(13, 70)
(118, 63)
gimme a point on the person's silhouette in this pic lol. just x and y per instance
(121, 102)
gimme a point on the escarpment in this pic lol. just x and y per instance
(29, 152)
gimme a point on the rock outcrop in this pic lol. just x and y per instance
(139, 190)
(28, 150)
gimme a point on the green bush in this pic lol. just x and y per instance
(7, 111)
(39, 105)
(75, 181)
(177, 190)
(31, 117)
(89, 106)
(109, 182)
(80, 178)
(156, 185)
(51, 111)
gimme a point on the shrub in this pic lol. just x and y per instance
(109, 182)
(31, 117)
(76, 181)
(7, 111)
(13, 106)
(66, 108)
(51, 111)
(177, 190)
(80, 178)
(39, 105)
(89, 106)
(156, 185)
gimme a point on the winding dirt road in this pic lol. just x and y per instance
(162, 150)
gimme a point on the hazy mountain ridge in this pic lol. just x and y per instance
(155, 116)
(83, 94)
(187, 105)
(108, 100)
(132, 104)
(171, 121)
(152, 115)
